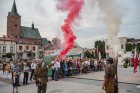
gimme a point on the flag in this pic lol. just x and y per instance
(99, 55)
(135, 61)
(130, 59)
(97, 50)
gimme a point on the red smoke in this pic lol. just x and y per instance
(74, 7)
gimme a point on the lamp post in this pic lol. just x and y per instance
(116, 78)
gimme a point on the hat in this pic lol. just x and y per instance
(110, 60)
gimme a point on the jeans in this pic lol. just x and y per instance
(56, 74)
(65, 73)
(32, 73)
(6, 74)
(25, 79)
(53, 72)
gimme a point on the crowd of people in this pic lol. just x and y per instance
(65, 67)
(61, 68)
(75, 66)
(14, 70)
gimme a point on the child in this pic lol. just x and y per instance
(7, 69)
(15, 82)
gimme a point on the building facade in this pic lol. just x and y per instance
(7, 47)
(123, 47)
(28, 39)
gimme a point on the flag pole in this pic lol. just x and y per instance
(116, 78)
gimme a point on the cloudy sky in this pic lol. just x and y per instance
(88, 28)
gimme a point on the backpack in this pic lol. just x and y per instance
(110, 71)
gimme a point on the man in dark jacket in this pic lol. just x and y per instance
(109, 78)
(41, 78)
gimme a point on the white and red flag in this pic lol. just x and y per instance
(135, 61)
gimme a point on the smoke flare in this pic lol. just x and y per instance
(74, 7)
(113, 12)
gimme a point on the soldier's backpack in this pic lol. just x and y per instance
(111, 71)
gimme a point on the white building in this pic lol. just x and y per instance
(7, 45)
(118, 47)
(27, 50)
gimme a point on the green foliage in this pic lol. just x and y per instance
(101, 47)
(138, 47)
(88, 54)
(129, 47)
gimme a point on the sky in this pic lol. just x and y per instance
(88, 28)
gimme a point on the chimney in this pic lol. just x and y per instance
(4, 36)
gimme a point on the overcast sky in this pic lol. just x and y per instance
(87, 28)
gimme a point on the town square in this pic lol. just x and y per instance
(69, 46)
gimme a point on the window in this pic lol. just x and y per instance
(4, 49)
(20, 47)
(122, 47)
(33, 48)
(27, 47)
(11, 49)
(107, 47)
(15, 25)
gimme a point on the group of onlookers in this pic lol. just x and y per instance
(61, 68)
(75, 66)
(16, 68)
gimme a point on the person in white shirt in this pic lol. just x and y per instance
(56, 72)
(87, 65)
(33, 67)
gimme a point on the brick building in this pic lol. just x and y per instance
(28, 39)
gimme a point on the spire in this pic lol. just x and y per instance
(32, 25)
(14, 8)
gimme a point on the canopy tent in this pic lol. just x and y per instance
(75, 52)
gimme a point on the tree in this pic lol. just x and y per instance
(129, 47)
(88, 54)
(101, 48)
(31, 55)
(138, 47)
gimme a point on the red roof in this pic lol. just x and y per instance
(6, 39)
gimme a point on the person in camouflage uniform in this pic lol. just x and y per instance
(109, 78)
(41, 78)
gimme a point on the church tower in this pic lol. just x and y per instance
(13, 22)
